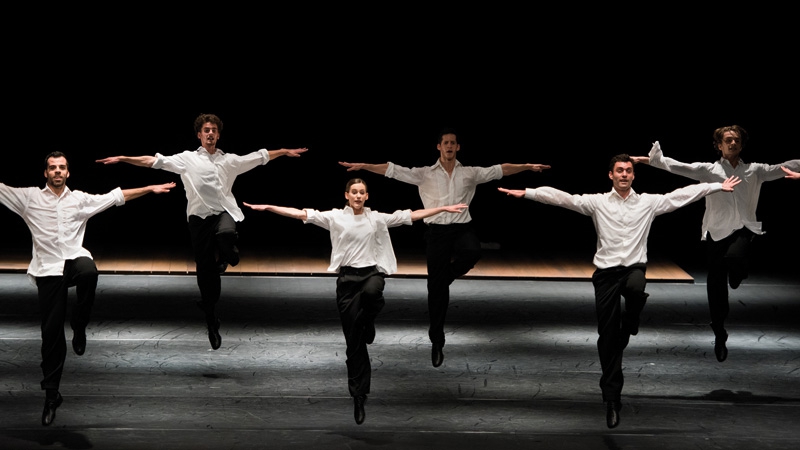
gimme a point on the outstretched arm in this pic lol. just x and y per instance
(641, 159)
(792, 175)
(293, 152)
(511, 169)
(131, 194)
(423, 213)
(282, 210)
(380, 169)
(513, 192)
(142, 161)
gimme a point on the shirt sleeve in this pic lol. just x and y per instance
(15, 199)
(242, 164)
(415, 175)
(770, 172)
(397, 218)
(696, 171)
(685, 195)
(93, 204)
(320, 219)
(583, 204)
(486, 174)
(173, 163)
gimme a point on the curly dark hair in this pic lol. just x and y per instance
(205, 118)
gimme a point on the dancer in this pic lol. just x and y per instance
(208, 174)
(729, 222)
(362, 254)
(622, 220)
(453, 247)
(57, 218)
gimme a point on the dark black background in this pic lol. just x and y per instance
(565, 88)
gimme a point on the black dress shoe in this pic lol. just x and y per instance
(612, 413)
(720, 349)
(79, 342)
(213, 335)
(369, 332)
(358, 408)
(50, 405)
(437, 357)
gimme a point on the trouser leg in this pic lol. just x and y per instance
(635, 299)
(609, 286)
(359, 299)
(81, 273)
(203, 233)
(717, 282)
(451, 252)
(52, 293)
(438, 255)
(466, 250)
(226, 239)
(737, 256)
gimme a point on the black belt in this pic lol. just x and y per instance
(451, 225)
(357, 271)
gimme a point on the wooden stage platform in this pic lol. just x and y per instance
(494, 264)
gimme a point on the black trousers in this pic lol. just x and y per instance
(213, 237)
(609, 286)
(53, 294)
(359, 299)
(451, 251)
(727, 258)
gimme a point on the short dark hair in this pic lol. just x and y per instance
(622, 157)
(446, 131)
(204, 118)
(719, 132)
(55, 154)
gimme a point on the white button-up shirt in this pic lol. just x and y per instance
(437, 188)
(622, 224)
(208, 179)
(726, 213)
(57, 223)
(360, 240)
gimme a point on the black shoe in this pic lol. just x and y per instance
(720, 349)
(79, 342)
(213, 335)
(437, 357)
(369, 332)
(612, 413)
(50, 405)
(358, 408)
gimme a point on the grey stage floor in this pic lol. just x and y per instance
(521, 369)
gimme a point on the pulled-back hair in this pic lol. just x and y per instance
(204, 118)
(355, 181)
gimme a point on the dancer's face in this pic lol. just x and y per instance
(356, 197)
(56, 172)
